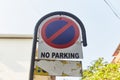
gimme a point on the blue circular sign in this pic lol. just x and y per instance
(60, 32)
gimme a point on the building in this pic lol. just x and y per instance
(116, 55)
(15, 56)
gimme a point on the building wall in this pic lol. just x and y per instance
(15, 57)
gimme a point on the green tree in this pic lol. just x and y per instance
(101, 70)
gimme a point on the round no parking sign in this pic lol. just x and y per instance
(59, 37)
(60, 32)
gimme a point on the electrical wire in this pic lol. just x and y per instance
(112, 8)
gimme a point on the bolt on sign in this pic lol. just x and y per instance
(59, 36)
(58, 68)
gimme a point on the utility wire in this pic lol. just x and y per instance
(112, 8)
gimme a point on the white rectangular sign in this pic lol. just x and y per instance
(58, 68)
(47, 52)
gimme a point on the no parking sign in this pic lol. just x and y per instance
(60, 35)
(60, 38)
(60, 32)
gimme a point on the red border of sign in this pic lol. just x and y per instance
(77, 33)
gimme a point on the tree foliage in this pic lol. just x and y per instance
(101, 70)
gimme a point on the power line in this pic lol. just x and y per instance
(112, 8)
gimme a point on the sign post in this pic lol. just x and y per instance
(59, 36)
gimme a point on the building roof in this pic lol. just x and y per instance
(16, 36)
(117, 51)
(116, 55)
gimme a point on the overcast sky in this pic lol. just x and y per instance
(101, 23)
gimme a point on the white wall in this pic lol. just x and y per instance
(15, 55)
